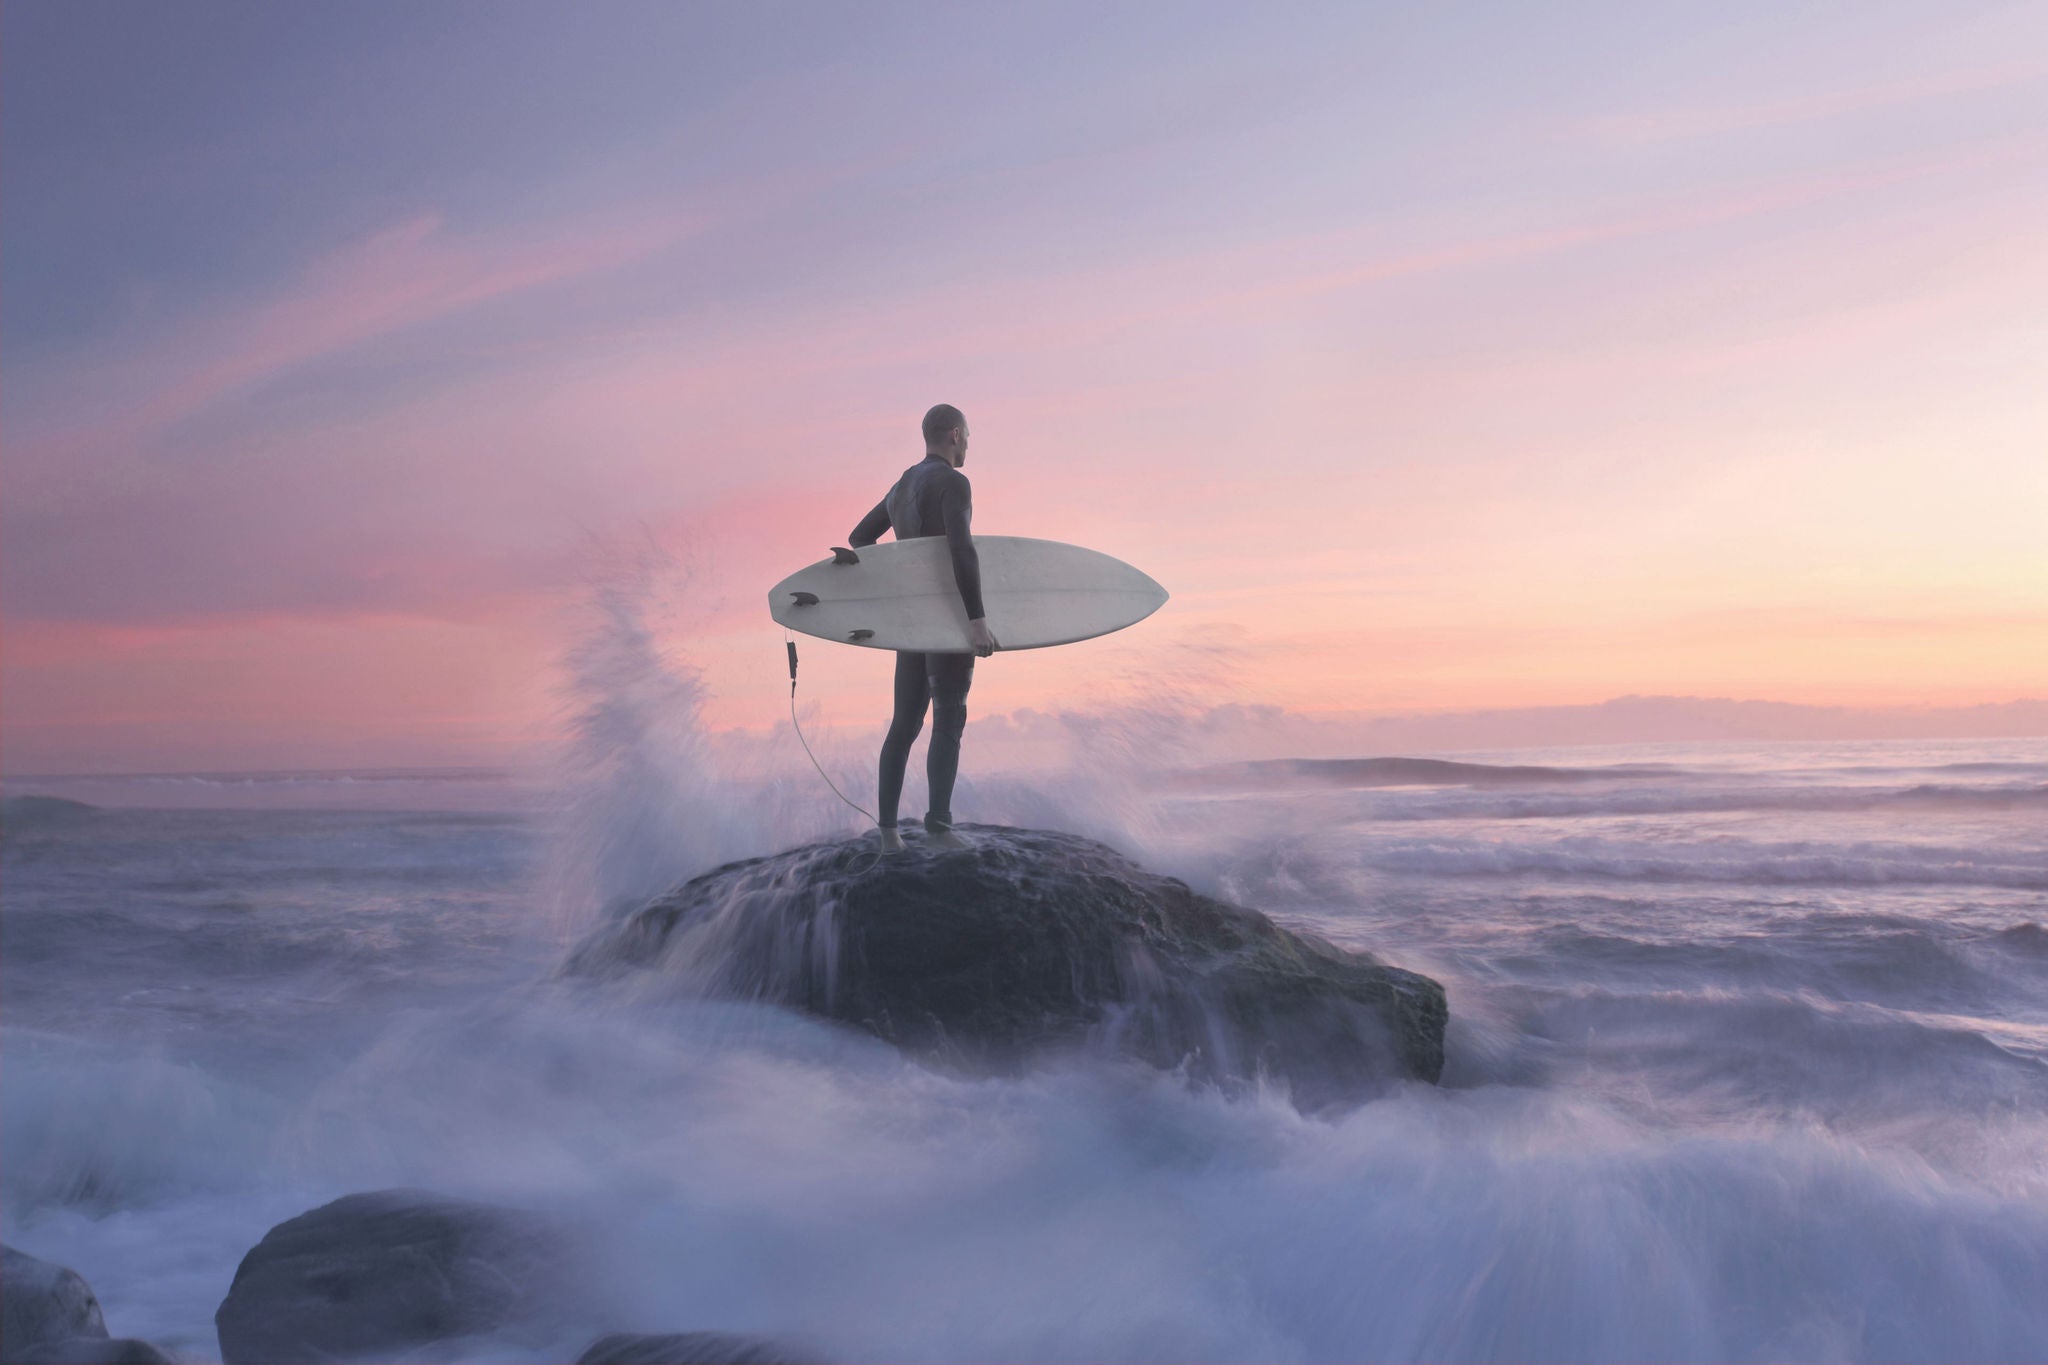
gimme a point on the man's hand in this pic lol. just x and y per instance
(985, 642)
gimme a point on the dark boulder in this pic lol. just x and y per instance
(385, 1272)
(1030, 940)
(41, 1304)
(687, 1348)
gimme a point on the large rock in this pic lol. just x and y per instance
(42, 1304)
(1030, 940)
(389, 1271)
(687, 1348)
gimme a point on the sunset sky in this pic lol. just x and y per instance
(1434, 357)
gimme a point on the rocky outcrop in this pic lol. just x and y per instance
(42, 1304)
(20, 814)
(1029, 940)
(687, 1348)
(385, 1272)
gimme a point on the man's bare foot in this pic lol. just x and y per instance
(945, 839)
(892, 839)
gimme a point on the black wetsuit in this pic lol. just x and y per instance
(931, 499)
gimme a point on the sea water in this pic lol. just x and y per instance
(1748, 1060)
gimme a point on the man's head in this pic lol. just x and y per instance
(945, 434)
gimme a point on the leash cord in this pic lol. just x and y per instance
(790, 642)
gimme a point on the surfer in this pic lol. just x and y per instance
(932, 499)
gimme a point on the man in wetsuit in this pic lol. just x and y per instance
(932, 499)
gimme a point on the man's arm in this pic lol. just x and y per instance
(871, 526)
(957, 508)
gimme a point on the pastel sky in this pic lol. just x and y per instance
(1435, 357)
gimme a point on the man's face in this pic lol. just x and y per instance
(960, 435)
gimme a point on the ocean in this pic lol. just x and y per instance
(1748, 1060)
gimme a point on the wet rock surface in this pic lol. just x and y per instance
(1029, 941)
(389, 1271)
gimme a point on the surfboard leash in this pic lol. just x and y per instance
(789, 643)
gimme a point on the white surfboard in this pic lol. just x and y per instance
(901, 595)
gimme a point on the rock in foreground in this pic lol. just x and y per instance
(42, 1304)
(1031, 940)
(386, 1272)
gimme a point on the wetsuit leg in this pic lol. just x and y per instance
(951, 676)
(913, 692)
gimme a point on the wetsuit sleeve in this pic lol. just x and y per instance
(871, 526)
(957, 509)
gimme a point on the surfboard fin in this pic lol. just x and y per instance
(805, 599)
(842, 555)
(860, 635)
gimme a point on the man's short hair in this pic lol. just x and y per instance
(941, 420)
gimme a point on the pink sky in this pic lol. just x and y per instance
(1456, 386)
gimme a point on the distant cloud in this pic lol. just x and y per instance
(1668, 125)
(1247, 732)
(1032, 738)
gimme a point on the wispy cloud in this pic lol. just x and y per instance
(1653, 126)
(415, 272)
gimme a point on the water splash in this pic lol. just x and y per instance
(643, 798)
